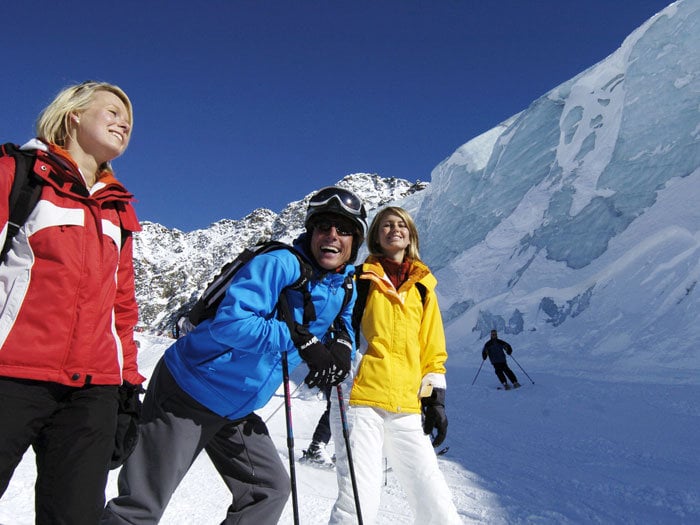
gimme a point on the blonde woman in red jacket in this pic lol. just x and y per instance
(68, 306)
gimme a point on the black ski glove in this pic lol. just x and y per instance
(340, 350)
(128, 415)
(311, 350)
(434, 415)
(322, 378)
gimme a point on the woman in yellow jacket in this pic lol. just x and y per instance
(400, 375)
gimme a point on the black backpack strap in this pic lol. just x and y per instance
(301, 285)
(208, 303)
(348, 285)
(362, 286)
(423, 291)
(26, 189)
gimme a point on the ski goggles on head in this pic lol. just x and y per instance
(347, 200)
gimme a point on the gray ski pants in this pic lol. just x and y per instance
(173, 431)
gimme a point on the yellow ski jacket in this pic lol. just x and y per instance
(405, 339)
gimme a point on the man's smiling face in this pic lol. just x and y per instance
(331, 240)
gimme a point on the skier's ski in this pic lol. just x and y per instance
(442, 451)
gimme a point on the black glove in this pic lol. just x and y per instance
(339, 350)
(321, 378)
(128, 415)
(311, 350)
(434, 415)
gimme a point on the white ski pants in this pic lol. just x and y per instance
(372, 433)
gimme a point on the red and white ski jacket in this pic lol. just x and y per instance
(67, 296)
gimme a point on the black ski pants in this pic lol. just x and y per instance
(174, 429)
(322, 433)
(502, 371)
(72, 432)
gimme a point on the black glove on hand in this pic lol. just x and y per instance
(434, 415)
(340, 350)
(320, 378)
(311, 350)
(128, 415)
(333, 375)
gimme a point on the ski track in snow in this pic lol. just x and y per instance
(562, 451)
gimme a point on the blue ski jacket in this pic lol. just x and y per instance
(232, 363)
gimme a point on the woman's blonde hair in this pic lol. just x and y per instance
(53, 124)
(375, 248)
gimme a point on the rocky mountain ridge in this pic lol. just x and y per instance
(173, 267)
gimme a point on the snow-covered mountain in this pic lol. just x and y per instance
(173, 267)
(572, 227)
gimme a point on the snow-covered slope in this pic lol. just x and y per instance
(564, 450)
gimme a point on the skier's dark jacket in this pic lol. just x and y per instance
(231, 363)
(496, 349)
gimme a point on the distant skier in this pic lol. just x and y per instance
(496, 350)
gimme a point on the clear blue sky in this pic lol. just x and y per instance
(255, 103)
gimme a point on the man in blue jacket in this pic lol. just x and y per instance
(205, 389)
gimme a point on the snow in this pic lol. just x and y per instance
(566, 449)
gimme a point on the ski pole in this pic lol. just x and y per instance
(290, 436)
(521, 368)
(477, 372)
(346, 437)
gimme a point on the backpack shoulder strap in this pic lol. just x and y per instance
(423, 291)
(301, 284)
(214, 293)
(25, 192)
(362, 286)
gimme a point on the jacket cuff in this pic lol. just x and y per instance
(430, 381)
(133, 378)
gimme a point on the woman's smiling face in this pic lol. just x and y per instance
(103, 128)
(394, 237)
